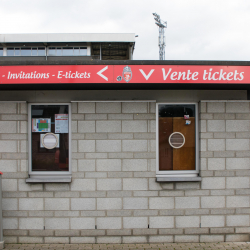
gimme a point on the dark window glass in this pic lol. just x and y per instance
(176, 137)
(10, 51)
(50, 119)
(41, 51)
(52, 51)
(83, 51)
(25, 51)
(68, 51)
(1, 51)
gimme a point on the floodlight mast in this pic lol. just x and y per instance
(162, 25)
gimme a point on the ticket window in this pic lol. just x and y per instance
(49, 141)
(177, 139)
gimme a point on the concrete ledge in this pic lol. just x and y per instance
(1, 244)
(177, 179)
(49, 180)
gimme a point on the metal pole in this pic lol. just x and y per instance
(1, 215)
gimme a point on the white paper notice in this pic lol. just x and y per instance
(61, 123)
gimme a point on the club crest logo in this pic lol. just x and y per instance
(127, 74)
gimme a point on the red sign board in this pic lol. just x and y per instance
(174, 74)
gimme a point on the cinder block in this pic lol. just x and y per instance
(135, 222)
(9, 204)
(109, 184)
(86, 165)
(24, 127)
(216, 163)
(108, 126)
(55, 187)
(237, 201)
(31, 223)
(161, 202)
(135, 107)
(56, 204)
(96, 116)
(108, 107)
(109, 223)
(86, 146)
(161, 222)
(237, 182)
(109, 203)
(237, 220)
(237, 238)
(213, 183)
(187, 221)
(236, 107)
(212, 238)
(237, 163)
(8, 146)
(24, 108)
(31, 204)
(135, 184)
(41, 233)
(83, 185)
(74, 127)
(86, 126)
(152, 126)
(86, 107)
(8, 126)
(120, 116)
(83, 204)
(109, 240)
(9, 240)
(242, 230)
(30, 240)
(9, 185)
(160, 239)
(108, 145)
(237, 125)
(187, 185)
(134, 239)
(10, 223)
(56, 240)
(203, 126)
(215, 107)
(144, 231)
(82, 240)
(135, 203)
(224, 135)
(196, 230)
(212, 221)
(213, 202)
(82, 223)
(134, 145)
(187, 202)
(237, 144)
(216, 126)
(8, 107)
(223, 230)
(134, 126)
(57, 223)
(216, 144)
(11, 232)
(94, 232)
(108, 164)
(134, 165)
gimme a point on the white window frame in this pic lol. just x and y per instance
(180, 175)
(49, 176)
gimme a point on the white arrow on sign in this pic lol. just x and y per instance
(149, 74)
(101, 75)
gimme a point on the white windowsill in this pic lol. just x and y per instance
(178, 179)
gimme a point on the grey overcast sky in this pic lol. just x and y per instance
(197, 29)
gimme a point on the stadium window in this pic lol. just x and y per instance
(177, 140)
(49, 142)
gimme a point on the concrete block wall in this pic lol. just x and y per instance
(113, 196)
